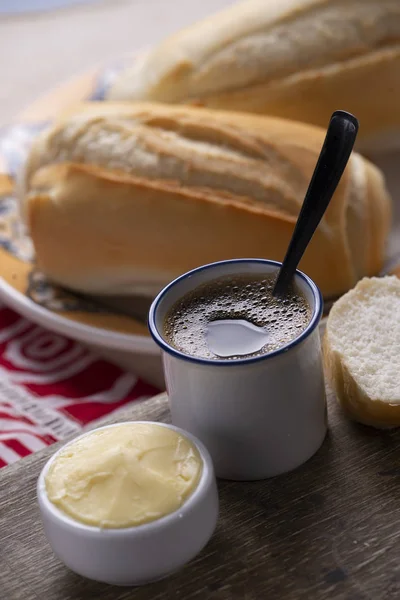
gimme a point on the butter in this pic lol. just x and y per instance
(124, 476)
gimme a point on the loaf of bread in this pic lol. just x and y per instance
(122, 198)
(298, 59)
(361, 351)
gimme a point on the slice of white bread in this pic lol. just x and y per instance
(362, 351)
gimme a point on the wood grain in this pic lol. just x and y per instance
(329, 530)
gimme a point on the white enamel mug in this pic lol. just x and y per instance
(259, 416)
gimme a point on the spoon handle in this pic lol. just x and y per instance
(335, 153)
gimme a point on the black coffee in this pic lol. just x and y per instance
(236, 316)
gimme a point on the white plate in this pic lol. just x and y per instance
(96, 336)
(107, 333)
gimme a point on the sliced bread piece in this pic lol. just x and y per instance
(362, 351)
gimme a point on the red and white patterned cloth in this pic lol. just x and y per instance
(50, 387)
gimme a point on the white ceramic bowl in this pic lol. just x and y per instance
(134, 555)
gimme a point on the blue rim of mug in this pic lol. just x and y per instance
(160, 341)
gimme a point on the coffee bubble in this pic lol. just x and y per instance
(244, 297)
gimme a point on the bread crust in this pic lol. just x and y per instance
(134, 228)
(312, 96)
(152, 232)
(236, 60)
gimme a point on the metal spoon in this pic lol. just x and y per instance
(335, 153)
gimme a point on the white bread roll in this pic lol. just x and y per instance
(121, 198)
(298, 59)
(361, 350)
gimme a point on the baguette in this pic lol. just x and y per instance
(361, 351)
(121, 198)
(298, 59)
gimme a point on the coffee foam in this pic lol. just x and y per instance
(247, 297)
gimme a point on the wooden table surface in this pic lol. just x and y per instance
(329, 530)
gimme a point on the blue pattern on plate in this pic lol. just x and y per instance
(12, 231)
(106, 78)
(15, 141)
